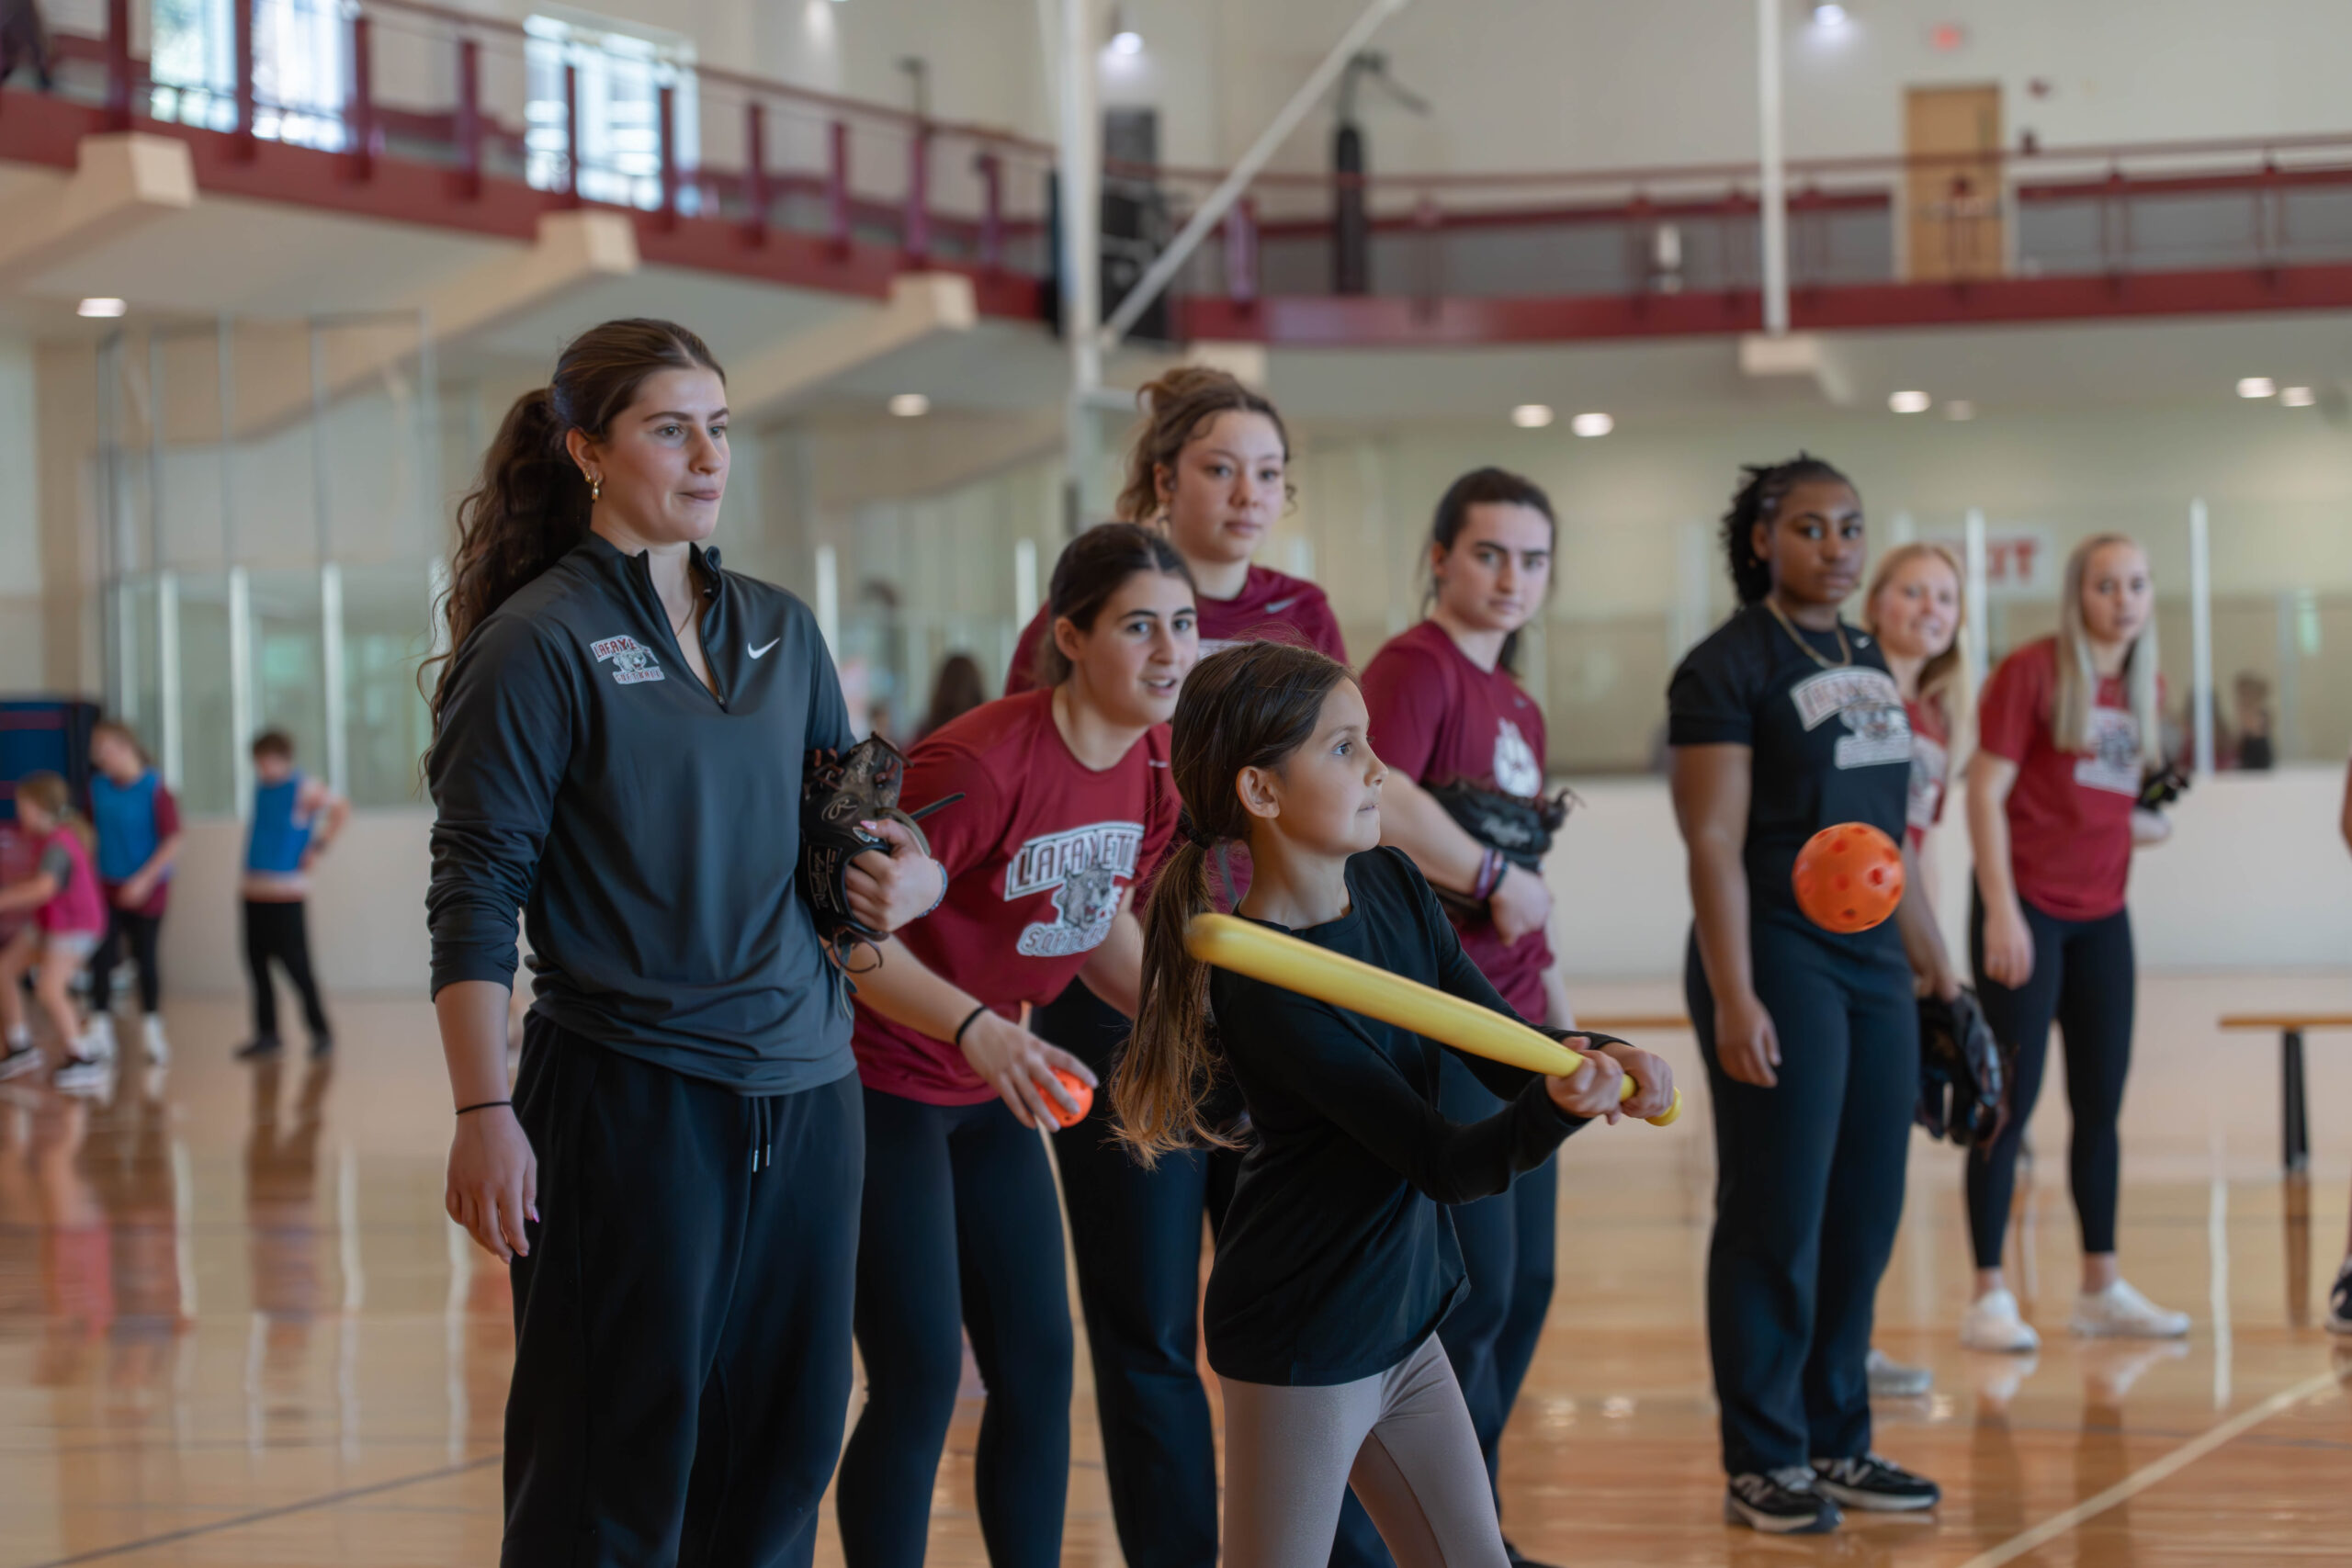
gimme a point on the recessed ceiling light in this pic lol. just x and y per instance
(1595, 423)
(2297, 397)
(1829, 16)
(102, 307)
(1910, 402)
(1531, 416)
(910, 405)
(1128, 42)
(1959, 407)
(2256, 387)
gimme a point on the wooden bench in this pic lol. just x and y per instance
(2294, 1124)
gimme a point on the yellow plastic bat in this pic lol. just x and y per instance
(1229, 942)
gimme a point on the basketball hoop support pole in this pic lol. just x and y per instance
(1228, 190)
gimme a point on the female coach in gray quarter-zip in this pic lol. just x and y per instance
(618, 738)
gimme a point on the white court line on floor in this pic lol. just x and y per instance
(2139, 1480)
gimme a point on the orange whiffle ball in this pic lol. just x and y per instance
(1849, 877)
(1077, 1088)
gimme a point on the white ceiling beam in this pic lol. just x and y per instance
(921, 304)
(120, 183)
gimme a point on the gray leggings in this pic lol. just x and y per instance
(1402, 1439)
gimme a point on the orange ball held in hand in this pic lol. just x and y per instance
(1849, 877)
(1077, 1088)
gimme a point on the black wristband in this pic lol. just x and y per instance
(485, 1105)
(969, 1019)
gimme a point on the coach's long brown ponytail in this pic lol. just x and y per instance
(1249, 706)
(530, 505)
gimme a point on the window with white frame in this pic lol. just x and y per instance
(301, 67)
(621, 70)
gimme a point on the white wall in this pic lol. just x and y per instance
(366, 914)
(21, 659)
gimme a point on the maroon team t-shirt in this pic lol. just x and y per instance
(1037, 854)
(1436, 718)
(2070, 813)
(1930, 769)
(1270, 605)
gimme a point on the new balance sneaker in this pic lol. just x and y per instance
(1992, 1323)
(1875, 1486)
(1891, 1379)
(260, 1048)
(2339, 1301)
(1780, 1502)
(159, 1050)
(83, 1075)
(98, 1040)
(2120, 1311)
(19, 1060)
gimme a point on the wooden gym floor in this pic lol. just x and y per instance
(235, 1328)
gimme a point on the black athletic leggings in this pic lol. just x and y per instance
(141, 933)
(959, 1229)
(277, 929)
(2085, 978)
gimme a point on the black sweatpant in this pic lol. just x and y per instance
(140, 933)
(1808, 1193)
(1507, 1247)
(2085, 978)
(960, 1229)
(275, 929)
(682, 1324)
(1136, 1234)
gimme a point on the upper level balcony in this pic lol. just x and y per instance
(411, 113)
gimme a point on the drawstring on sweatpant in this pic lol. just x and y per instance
(763, 1132)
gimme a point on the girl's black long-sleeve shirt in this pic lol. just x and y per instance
(1337, 1258)
(646, 826)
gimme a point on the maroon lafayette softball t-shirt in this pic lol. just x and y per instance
(2070, 813)
(1037, 853)
(1930, 769)
(1437, 718)
(1271, 607)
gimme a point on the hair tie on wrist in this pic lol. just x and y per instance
(485, 1105)
(970, 1018)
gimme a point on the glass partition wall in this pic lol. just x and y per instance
(270, 530)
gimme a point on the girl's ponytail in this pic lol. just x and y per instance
(1249, 706)
(1171, 1062)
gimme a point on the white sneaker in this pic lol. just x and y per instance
(2120, 1311)
(98, 1040)
(83, 1075)
(1992, 1323)
(159, 1050)
(1891, 1379)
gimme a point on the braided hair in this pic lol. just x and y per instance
(1762, 488)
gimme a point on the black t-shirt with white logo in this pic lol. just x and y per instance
(1829, 745)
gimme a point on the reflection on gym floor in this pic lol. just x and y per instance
(236, 1328)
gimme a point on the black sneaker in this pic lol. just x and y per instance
(1875, 1486)
(1519, 1559)
(1781, 1503)
(260, 1048)
(321, 1046)
(2339, 1301)
(19, 1060)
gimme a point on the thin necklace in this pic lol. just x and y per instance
(1845, 653)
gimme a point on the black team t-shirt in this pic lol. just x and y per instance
(1830, 745)
(1335, 1259)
